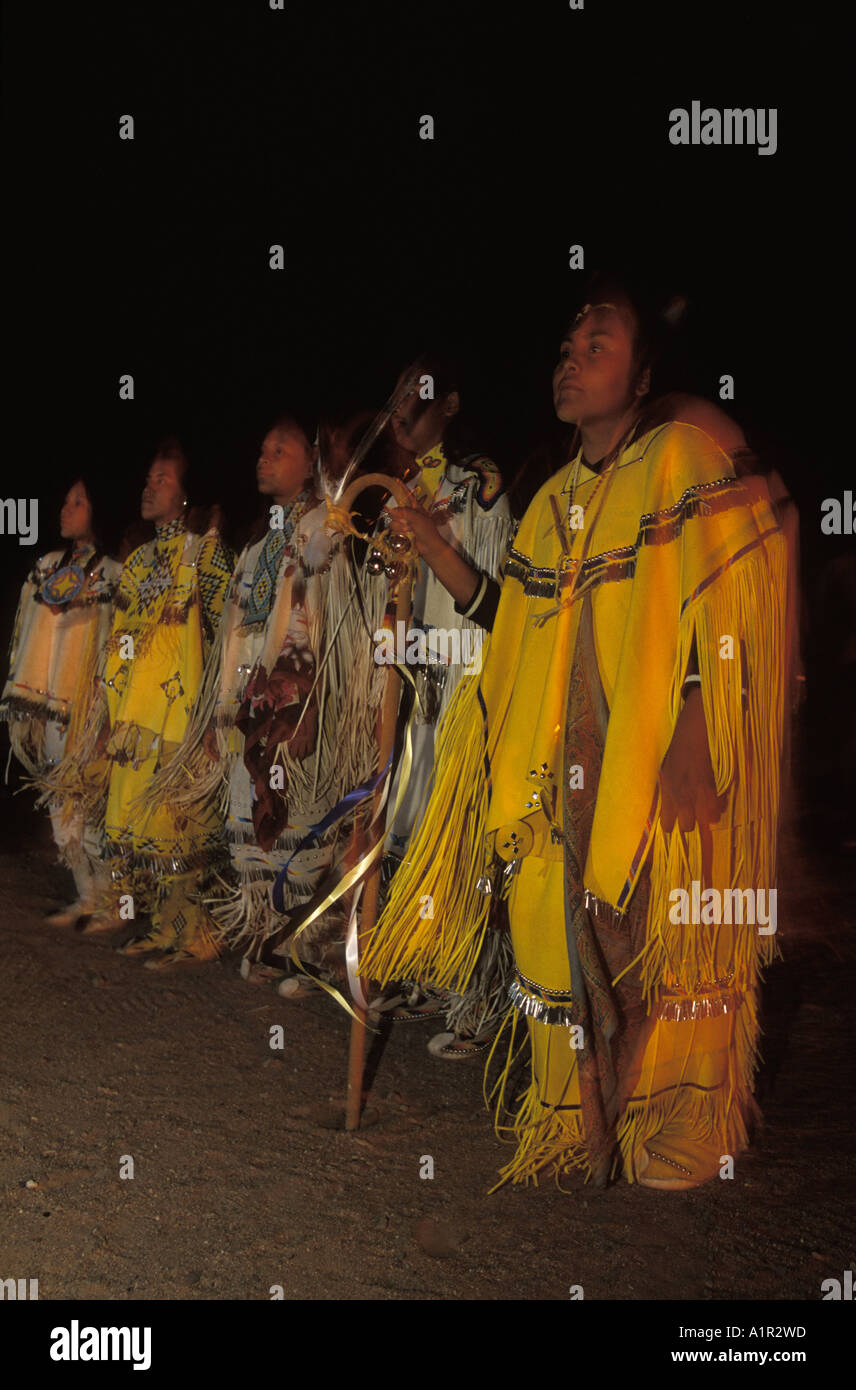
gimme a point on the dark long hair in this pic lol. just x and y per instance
(657, 313)
(461, 438)
(206, 506)
(258, 527)
(106, 516)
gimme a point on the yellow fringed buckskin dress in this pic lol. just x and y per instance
(643, 1026)
(168, 606)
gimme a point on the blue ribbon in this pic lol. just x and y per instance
(348, 802)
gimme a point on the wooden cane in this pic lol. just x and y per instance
(387, 721)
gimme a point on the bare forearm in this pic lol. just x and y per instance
(452, 571)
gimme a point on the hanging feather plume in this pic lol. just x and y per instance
(331, 487)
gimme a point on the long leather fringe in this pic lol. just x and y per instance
(442, 949)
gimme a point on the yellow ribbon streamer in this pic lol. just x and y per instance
(367, 861)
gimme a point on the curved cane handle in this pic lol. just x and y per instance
(393, 485)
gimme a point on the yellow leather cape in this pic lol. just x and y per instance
(672, 547)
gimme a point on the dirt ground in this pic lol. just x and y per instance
(244, 1178)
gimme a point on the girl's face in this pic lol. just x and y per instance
(285, 462)
(75, 518)
(163, 495)
(592, 382)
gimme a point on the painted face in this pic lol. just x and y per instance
(75, 519)
(163, 495)
(418, 425)
(592, 381)
(284, 464)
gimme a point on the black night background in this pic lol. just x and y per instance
(300, 127)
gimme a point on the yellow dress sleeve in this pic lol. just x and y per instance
(214, 569)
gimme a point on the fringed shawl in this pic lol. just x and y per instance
(672, 547)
